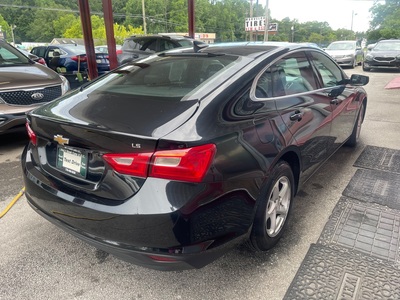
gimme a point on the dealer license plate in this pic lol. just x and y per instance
(72, 161)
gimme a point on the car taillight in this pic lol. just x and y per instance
(119, 51)
(81, 58)
(135, 164)
(190, 164)
(42, 61)
(31, 134)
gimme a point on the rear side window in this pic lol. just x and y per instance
(330, 73)
(136, 44)
(184, 43)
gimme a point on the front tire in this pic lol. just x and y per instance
(354, 63)
(365, 68)
(273, 208)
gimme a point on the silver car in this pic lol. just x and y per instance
(24, 85)
(346, 53)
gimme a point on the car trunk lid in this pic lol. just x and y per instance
(73, 136)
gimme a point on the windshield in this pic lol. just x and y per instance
(11, 56)
(387, 46)
(169, 78)
(341, 46)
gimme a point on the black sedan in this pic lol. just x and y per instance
(384, 55)
(170, 161)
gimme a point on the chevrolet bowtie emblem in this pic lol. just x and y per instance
(60, 139)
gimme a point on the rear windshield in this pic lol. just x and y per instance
(170, 78)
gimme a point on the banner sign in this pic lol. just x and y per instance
(258, 24)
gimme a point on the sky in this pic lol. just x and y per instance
(338, 13)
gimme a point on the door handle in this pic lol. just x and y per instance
(336, 101)
(297, 116)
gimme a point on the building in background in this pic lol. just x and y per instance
(208, 38)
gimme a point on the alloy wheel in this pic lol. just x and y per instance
(278, 206)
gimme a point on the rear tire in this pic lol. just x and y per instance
(273, 208)
(355, 135)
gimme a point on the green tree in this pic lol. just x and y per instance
(385, 20)
(99, 32)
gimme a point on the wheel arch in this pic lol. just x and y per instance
(364, 103)
(292, 157)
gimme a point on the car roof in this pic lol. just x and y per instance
(336, 42)
(174, 37)
(252, 49)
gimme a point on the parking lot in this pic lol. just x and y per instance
(40, 261)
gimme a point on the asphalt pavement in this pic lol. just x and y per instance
(342, 240)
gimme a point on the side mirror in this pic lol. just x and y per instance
(358, 80)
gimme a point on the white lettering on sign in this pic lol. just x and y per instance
(258, 24)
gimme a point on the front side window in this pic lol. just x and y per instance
(290, 75)
(331, 74)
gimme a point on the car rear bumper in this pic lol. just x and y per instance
(157, 260)
(182, 238)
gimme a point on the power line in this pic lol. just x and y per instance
(138, 16)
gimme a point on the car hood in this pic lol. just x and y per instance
(27, 76)
(340, 52)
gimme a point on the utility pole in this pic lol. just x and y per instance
(251, 16)
(12, 33)
(266, 27)
(144, 18)
(352, 18)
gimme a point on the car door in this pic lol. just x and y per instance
(343, 100)
(305, 114)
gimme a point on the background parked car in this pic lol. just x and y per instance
(384, 55)
(370, 47)
(24, 86)
(33, 57)
(346, 53)
(136, 47)
(70, 59)
(170, 161)
(104, 49)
